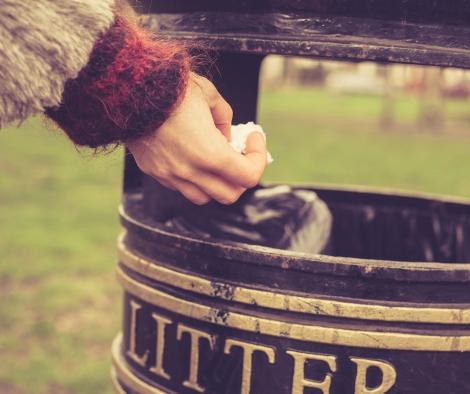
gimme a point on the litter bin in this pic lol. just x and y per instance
(387, 312)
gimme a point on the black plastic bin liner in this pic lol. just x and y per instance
(394, 226)
(365, 224)
(275, 216)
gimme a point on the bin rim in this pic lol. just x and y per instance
(348, 38)
(317, 263)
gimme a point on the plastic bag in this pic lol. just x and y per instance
(277, 216)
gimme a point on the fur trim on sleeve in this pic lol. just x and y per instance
(128, 89)
(43, 44)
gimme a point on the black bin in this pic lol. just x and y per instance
(387, 312)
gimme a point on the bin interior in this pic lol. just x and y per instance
(370, 225)
(398, 227)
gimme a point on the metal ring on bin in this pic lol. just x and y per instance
(303, 332)
(121, 371)
(378, 269)
(279, 301)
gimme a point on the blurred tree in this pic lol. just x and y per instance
(432, 114)
(387, 115)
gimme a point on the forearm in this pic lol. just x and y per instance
(123, 85)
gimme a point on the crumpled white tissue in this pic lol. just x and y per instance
(240, 133)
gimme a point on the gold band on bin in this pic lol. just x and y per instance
(392, 312)
(297, 331)
(121, 371)
(115, 382)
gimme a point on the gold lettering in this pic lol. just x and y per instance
(248, 350)
(141, 360)
(389, 376)
(158, 369)
(196, 336)
(299, 381)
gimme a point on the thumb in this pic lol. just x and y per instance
(256, 151)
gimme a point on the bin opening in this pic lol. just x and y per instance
(399, 227)
(276, 216)
(362, 224)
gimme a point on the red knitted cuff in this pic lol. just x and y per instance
(129, 87)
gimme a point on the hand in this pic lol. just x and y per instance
(190, 152)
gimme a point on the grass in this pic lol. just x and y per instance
(60, 304)
(320, 137)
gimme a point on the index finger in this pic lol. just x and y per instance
(222, 115)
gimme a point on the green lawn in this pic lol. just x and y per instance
(60, 304)
(321, 137)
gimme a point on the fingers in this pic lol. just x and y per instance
(207, 187)
(246, 170)
(191, 153)
(218, 188)
(203, 187)
(219, 173)
(256, 152)
(168, 185)
(192, 192)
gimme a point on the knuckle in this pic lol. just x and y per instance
(160, 174)
(185, 172)
(251, 179)
(228, 109)
(230, 198)
(166, 184)
(200, 200)
(213, 161)
(145, 166)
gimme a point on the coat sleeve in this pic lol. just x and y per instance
(44, 43)
(91, 70)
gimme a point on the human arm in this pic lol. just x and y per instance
(104, 81)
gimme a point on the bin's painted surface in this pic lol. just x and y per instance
(208, 317)
(403, 31)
